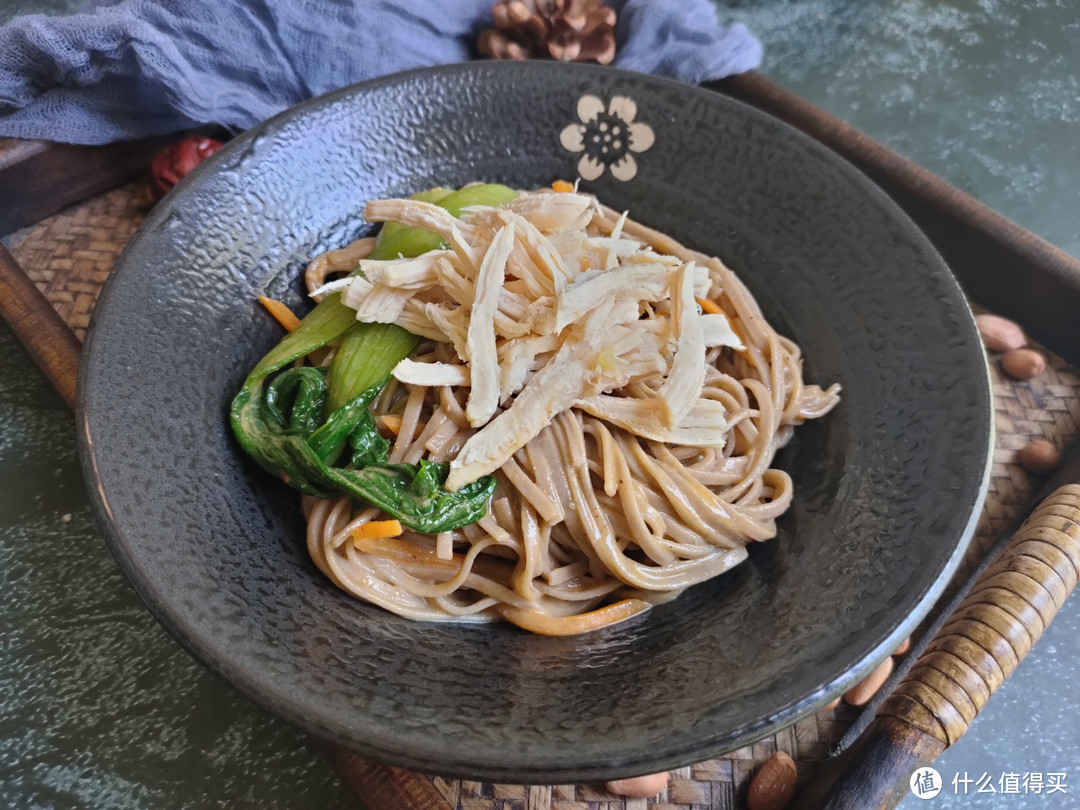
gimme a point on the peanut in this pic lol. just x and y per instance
(865, 689)
(1039, 456)
(1023, 364)
(773, 785)
(1000, 334)
(639, 787)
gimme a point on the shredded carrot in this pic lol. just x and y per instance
(391, 422)
(709, 306)
(537, 622)
(377, 529)
(562, 186)
(281, 312)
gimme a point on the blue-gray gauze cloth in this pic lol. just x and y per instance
(133, 68)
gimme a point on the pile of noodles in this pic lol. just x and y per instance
(591, 522)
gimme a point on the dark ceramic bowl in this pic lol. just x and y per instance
(887, 486)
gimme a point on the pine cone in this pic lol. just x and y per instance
(567, 30)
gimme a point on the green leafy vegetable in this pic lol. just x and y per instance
(368, 445)
(364, 352)
(298, 423)
(268, 428)
(322, 325)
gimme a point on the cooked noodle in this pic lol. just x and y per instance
(589, 523)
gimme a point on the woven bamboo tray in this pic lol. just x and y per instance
(69, 255)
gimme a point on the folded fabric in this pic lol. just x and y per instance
(135, 68)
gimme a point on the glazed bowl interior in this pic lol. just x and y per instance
(887, 485)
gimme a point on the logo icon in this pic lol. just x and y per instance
(925, 783)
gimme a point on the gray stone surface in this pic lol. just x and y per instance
(99, 708)
(11, 9)
(984, 93)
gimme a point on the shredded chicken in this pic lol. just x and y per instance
(430, 374)
(546, 312)
(687, 373)
(482, 353)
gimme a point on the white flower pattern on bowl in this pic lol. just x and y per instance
(607, 137)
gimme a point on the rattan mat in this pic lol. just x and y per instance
(69, 255)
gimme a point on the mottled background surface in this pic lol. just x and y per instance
(100, 708)
(984, 93)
